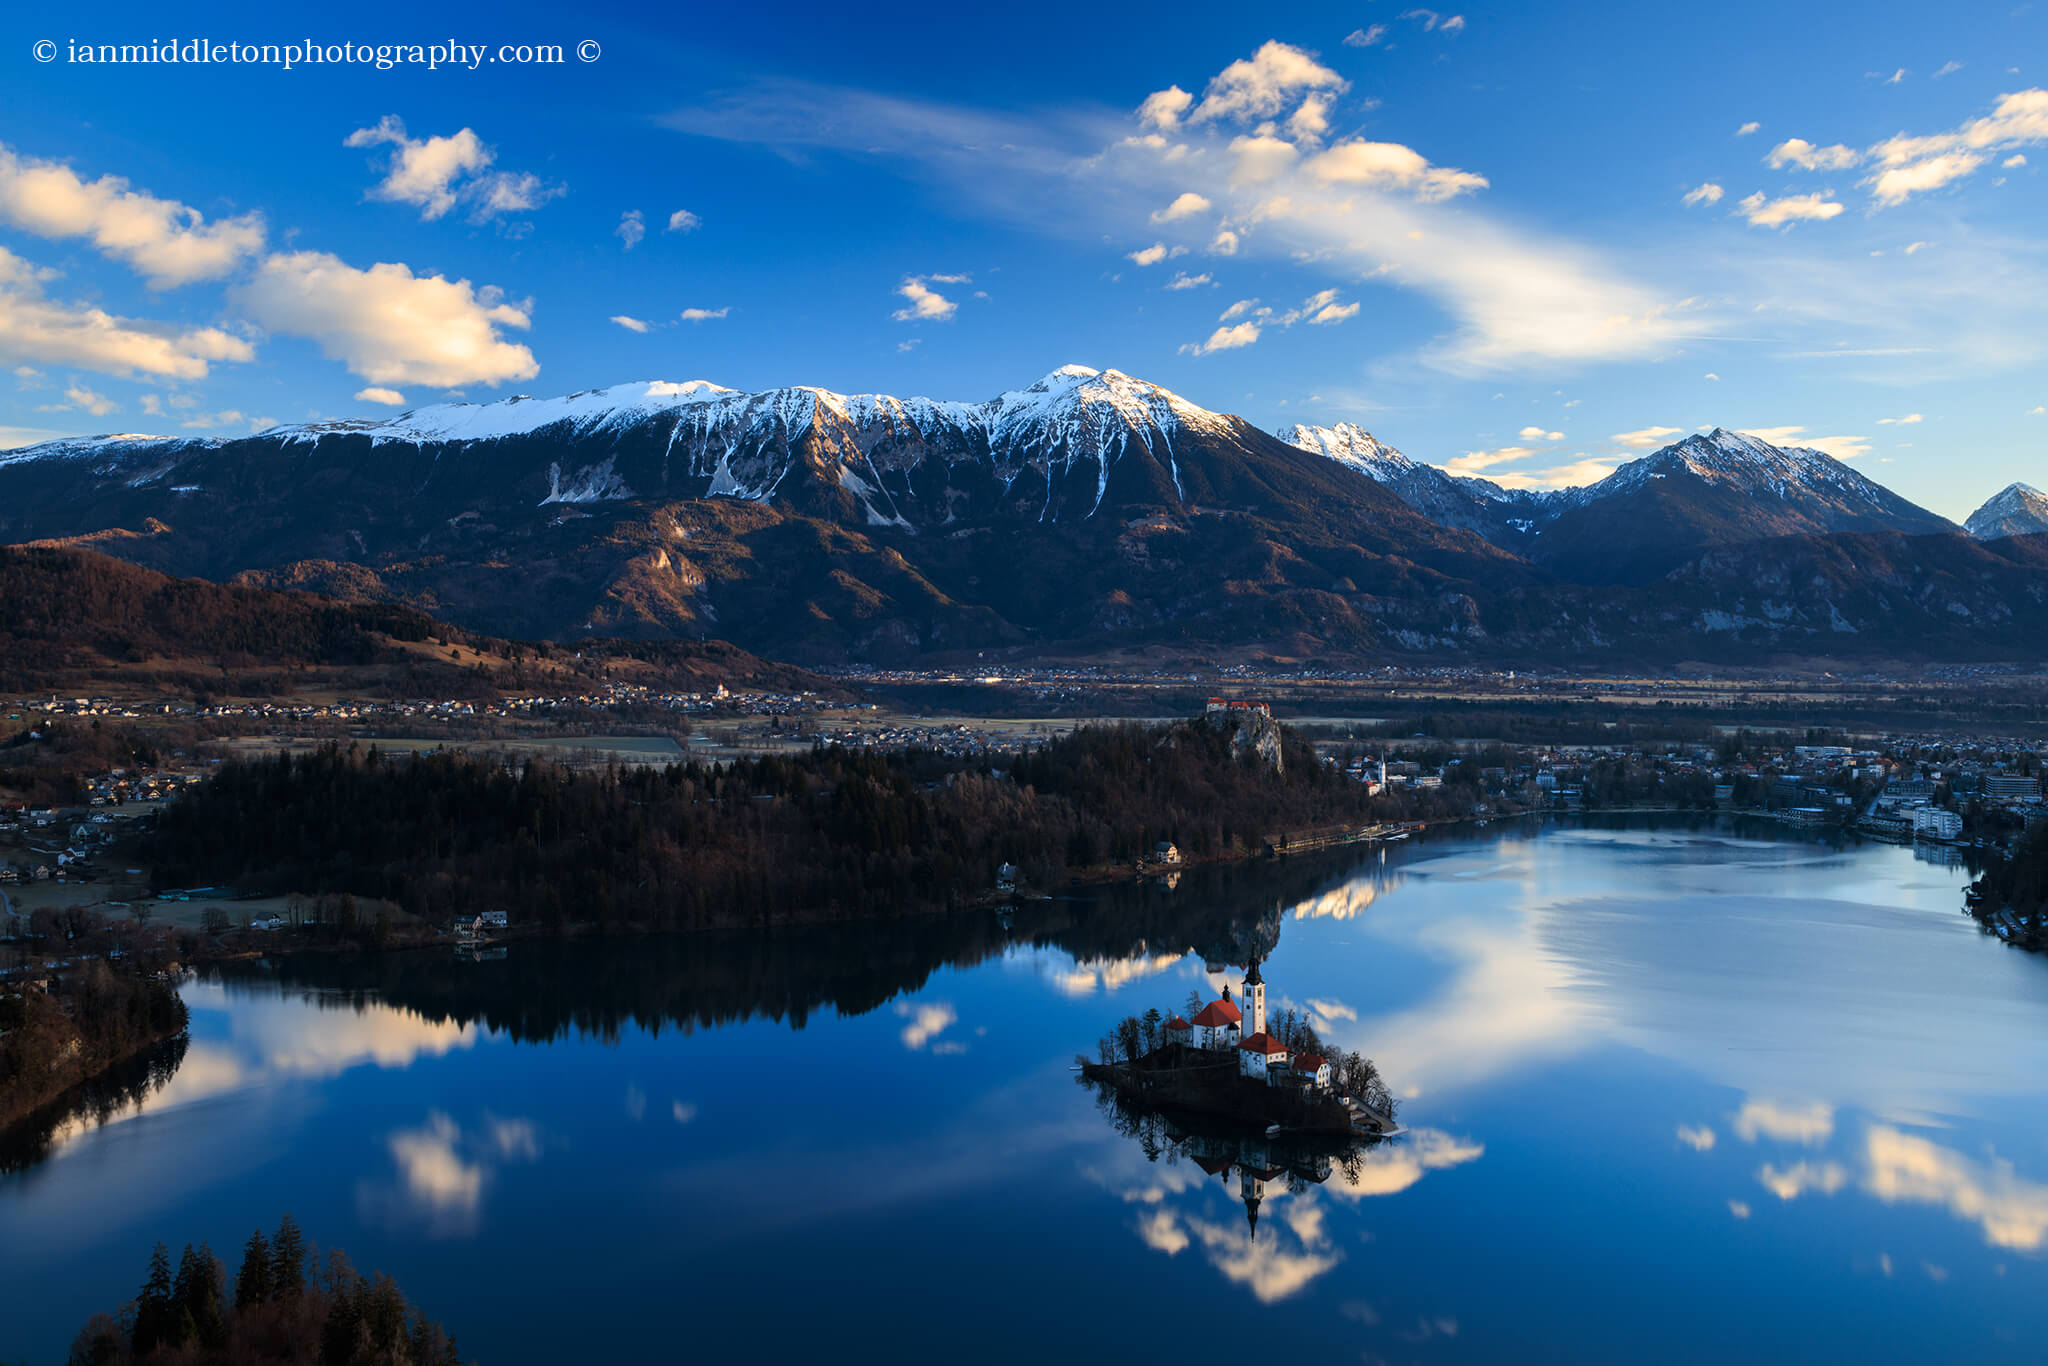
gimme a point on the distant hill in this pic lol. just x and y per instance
(71, 615)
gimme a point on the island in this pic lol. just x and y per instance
(1228, 1064)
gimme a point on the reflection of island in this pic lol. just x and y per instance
(1226, 1066)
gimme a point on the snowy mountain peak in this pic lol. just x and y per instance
(1349, 444)
(2015, 510)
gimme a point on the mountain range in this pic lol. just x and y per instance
(1088, 512)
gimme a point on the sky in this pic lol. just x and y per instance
(1523, 241)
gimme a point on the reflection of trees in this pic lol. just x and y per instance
(542, 989)
(91, 1104)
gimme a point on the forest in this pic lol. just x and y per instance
(286, 1303)
(90, 1020)
(2017, 888)
(834, 834)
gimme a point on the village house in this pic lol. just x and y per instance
(1219, 1022)
(1179, 1031)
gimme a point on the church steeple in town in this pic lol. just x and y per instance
(1254, 1001)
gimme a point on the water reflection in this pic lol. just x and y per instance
(441, 1172)
(1262, 1211)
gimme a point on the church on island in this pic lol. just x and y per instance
(1223, 1026)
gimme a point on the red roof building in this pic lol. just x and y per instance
(1218, 1015)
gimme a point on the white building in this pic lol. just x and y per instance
(1934, 822)
(1261, 1055)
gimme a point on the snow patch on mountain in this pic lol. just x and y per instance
(598, 483)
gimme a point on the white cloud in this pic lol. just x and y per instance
(1948, 69)
(926, 304)
(1185, 206)
(632, 228)
(1803, 154)
(1163, 109)
(1711, 375)
(227, 417)
(435, 174)
(78, 396)
(1154, 254)
(1538, 434)
(1472, 463)
(684, 1113)
(1431, 21)
(1586, 469)
(1511, 298)
(1366, 37)
(1698, 1137)
(1390, 166)
(1311, 122)
(1793, 208)
(1912, 247)
(1258, 87)
(1739, 1208)
(1238, 310)
(374, 394)
(1183, 280)
(1645, 438)
(164, 241)
(1913, 165)
(630, 324)
(1746, 129)
(34, 328)
(1900, 183)
(702, 315)
(2015, 160)
(1225, 339)
(1333, 313)
(1906, 421)
(682, 220)
(1260, 157)
(1709, 193)
(389, 325)
(1840, 447)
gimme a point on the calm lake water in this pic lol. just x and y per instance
(1675, 1091)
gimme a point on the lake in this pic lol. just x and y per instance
(1675, 1090)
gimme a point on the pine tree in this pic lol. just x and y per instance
(153, 1305)
(287, 1260)
(201, 1278)
(252, 1286)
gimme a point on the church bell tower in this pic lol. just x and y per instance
(1254, 1001)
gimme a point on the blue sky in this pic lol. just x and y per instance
(1525, 241)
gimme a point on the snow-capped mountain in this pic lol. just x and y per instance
(1504, 516)
(2015, 510)
(1055, 442)
(1650, 514)
(1087, 501)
